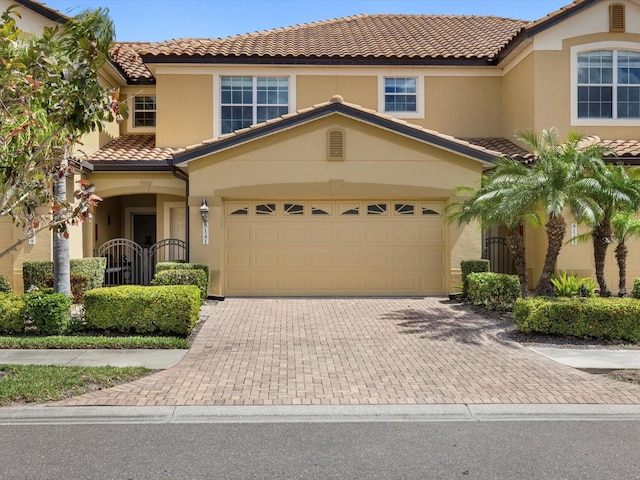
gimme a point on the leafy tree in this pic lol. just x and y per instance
(50, 95)
(623, 229)
(491, 206)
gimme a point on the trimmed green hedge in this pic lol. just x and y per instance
(40, 274)
(164, 310)
(5, 286)
(11, 314)
(472, 266)
(46, 313)
(635, 293)
(610, 318)
(163, 266)
(183, 277)
(495, 291)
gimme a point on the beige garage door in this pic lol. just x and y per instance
(306, 248)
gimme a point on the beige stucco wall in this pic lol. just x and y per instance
(292, 164)
(184, 109)
(314, 89)
(463, 106)
(519, 97)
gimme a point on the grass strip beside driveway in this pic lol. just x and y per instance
(66, 342)
(23, 384)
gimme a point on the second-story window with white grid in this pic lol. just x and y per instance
(245, 101)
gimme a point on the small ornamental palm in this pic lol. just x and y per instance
(624, 228)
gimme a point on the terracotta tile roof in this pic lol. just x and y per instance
(623, 148)
(504, 146)
(131, 148)
(361, 36)
(125, 55)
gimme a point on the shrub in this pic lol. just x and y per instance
(91, 268)
(11, 314)
(47, 313)
(162, 266)
(635, 293)
(609, 318)
(5, 287)
(472, 266)
(183, 277)
(495, 291)
(566, 285)
(36, 274)
(165, 310)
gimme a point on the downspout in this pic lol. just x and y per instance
(179, 174)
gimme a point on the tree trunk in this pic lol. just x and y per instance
(601, 238)
(61, 264)
(516, 247)
(556, 228)
(621, 258)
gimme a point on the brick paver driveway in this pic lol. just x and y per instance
(358, 351)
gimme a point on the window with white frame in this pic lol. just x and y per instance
(144, 111)
(245, 101)
(400, 94)
(608, 84)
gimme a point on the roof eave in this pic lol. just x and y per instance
(130, 165)
(320, 60)
(45, 12)
(468, 151)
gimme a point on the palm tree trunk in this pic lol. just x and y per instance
(601, 238)
(516, 247)
(621, 258)
(556, 228)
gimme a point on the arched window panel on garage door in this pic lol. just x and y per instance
(349, 209)
(237, 208)
(376, 208)
(293, 209)
(404, 208)
(265, 209)
(432, 208)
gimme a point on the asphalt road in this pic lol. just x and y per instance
(399, 450)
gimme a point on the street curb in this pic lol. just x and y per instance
(41, 415)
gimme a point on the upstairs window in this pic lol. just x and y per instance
(246, 101)
(144, 111)
(400, 94)
(609, 84)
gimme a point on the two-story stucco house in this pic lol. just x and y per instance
(325, 153)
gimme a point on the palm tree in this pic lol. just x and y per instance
(617, 189)
(557, 180)
(623, 229)
(491, 207)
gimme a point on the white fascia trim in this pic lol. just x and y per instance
(596, 122)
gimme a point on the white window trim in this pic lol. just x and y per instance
(596, 122)
(130, 104)
(420, 100)
(217, 94)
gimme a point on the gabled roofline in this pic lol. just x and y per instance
(543, 24)
(42, 10)
(335, 106)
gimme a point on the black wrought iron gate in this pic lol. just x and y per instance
(130, 264)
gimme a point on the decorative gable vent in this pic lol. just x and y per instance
(336, 145)
(616, 18)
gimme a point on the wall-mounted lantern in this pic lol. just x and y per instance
(204, 210)
(204, 214)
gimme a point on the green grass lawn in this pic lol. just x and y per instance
(57, 342)
(23, 384)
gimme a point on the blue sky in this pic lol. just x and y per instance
(156, 20)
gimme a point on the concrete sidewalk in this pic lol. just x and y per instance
(153, 359)
(592, 358)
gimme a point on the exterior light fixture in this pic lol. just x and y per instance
(204, 210)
